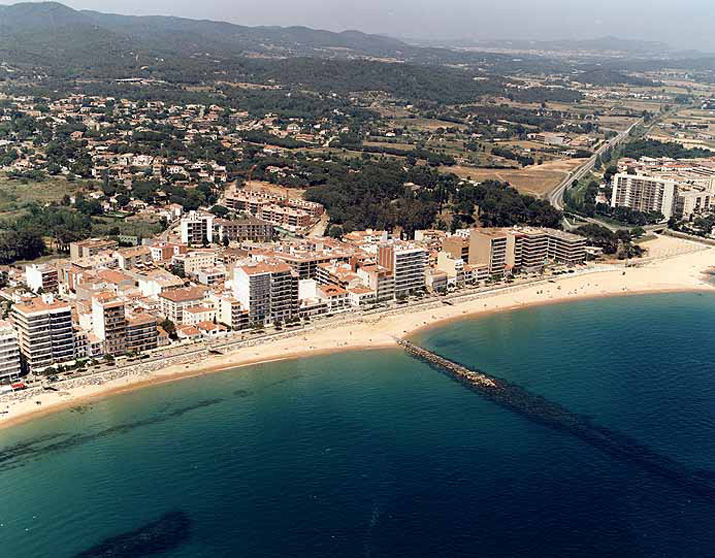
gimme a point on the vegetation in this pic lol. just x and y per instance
(655, 149)
(619, 243)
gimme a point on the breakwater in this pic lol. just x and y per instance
(553, 415)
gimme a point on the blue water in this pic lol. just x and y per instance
(374, 454)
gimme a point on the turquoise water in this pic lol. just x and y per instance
(374, 454)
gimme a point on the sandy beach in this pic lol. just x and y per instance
(673, 265)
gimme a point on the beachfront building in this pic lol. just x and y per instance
(173, 303)
(457, 247)
(645, 193)
(142, 333)
(197, 228)
(407, 263)
(527, 250)
(452, 267)
(230, 312)
(566, 248)
(41, 277)
(109, 323)
(488, 247)
(45, 331)
(10, 368)
(378, 279)
(197, 314)
(269, 290)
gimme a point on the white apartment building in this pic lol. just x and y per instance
(9, 353)
(268, 290)
(41, 277)
(196, 228)
(527, 249)
(407, 264)
(197, 260)
(378, 279)
(565, 247)
(197, 314)
(230, 312)
(645, 193)
(45, 332)
(174, 302)
(109, 324)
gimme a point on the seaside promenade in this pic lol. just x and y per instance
(681, 269)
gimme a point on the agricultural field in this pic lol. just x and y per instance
(537, 180)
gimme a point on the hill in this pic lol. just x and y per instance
(51, 40)
(53, 35)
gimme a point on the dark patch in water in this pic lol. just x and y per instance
(21, 454)
(248, 393)
(167, 533)
(81, 409)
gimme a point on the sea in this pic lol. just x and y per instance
(372, 453)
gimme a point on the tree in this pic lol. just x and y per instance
(168, 326)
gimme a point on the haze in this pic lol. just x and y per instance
(685, 24)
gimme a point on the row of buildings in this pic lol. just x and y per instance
(109, 300)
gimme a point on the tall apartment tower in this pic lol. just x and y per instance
(109, 322)
(645, 193)
(45, 332)
(407, 264)
(10, 368)
(527, 250)
(268, 290)
(488, 247)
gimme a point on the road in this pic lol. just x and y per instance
(556, 197)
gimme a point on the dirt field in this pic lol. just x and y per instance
(425, 124)
(537, 180)
(616, 122)
(260, 186)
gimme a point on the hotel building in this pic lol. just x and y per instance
(109, 324)
(41, 276)
(566, 247)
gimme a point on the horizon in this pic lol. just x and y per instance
(546, 20)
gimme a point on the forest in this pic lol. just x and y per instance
(656, 149)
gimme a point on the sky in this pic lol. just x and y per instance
(682, 23)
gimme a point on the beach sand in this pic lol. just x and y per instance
(681, 267)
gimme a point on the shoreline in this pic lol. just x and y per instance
(681, 273)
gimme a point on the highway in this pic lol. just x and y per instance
(556, 197)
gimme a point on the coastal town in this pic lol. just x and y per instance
(204, 257)
(107, 301)
(148, 224)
